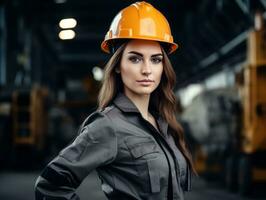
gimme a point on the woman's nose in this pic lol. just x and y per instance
(146, 69)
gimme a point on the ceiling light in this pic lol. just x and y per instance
(66, 34)
(97, 73)
(67, 23)
(60, 1)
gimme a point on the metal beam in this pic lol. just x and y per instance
(224, 49)
(233, 43)
(244, 7)
(263, 2)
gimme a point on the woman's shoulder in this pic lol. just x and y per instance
(97, 126)
(111, 111)
(95, 117)
(100, 117)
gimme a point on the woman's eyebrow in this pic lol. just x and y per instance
(137, 53)
(140, 54)
(155, 55)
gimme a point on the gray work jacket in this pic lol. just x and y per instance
(133, 160)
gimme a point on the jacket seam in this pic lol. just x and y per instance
(115, 134)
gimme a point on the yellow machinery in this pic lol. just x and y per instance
(252, 162)
(29, 119)
(244, 160)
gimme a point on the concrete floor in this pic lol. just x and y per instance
(19, 186)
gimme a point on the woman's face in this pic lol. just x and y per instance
(141, 67)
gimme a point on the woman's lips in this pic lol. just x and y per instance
(145, 82)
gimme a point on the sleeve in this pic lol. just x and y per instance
(95, 146)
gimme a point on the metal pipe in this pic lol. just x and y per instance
(2, 46)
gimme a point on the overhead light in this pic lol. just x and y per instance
(60, 1)
(97, 73)
(66, 34)
(67, 23)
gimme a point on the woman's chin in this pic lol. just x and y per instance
(145, 91)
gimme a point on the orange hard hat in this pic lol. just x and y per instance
(139, 21)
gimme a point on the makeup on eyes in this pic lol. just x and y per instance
(136, 56)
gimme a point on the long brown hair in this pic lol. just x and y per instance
(162, 100)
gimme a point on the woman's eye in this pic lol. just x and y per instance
(134, 59)
(156, 60)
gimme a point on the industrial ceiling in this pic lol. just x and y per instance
(210, 33)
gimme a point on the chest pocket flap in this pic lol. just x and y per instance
(141, 146)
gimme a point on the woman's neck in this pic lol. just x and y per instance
(141, 102)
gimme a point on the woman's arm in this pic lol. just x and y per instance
(95, 146)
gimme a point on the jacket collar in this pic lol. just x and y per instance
(126, 105)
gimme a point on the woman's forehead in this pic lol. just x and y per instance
(143, 47)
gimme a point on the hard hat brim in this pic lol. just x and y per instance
(106, 44)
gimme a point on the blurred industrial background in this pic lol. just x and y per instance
(51, 69)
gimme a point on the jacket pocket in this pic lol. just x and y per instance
(141, 146)
(146, 158)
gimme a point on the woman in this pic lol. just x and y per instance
(133, 140)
